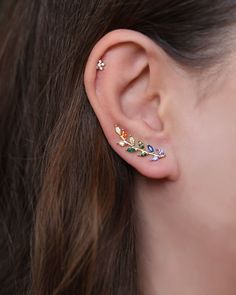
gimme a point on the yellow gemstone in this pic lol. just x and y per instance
(132, 140)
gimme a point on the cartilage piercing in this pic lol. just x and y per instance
(100, 65)
(138, 146)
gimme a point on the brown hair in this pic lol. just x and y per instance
(66, 204)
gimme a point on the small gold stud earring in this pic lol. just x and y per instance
(100, 65)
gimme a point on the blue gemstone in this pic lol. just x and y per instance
(150, 148)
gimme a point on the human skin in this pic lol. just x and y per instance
(187, 228)
(186, 202)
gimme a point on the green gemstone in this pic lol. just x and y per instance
(130, 150)
(144, 154)
(141, 145)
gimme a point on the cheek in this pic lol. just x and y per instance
(209, 164)
(215, 144)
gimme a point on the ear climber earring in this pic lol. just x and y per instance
(132, 147)
(100, 65)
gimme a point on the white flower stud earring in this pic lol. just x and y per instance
(100, 65)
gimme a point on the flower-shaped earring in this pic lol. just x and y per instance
(133, 146)
(100, 65)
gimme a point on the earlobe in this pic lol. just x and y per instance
(120, 84)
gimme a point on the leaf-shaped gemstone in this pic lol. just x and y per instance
(141, 145)
(132, 140)
(124, 134)
(161, 152)
(130, 150)
(155, 158)
(150, 148)
(118, 130)
(143, 154)
(122, 143)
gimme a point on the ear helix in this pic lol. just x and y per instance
(128, 141)
(100, 65)
(133, 146)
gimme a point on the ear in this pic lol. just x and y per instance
(129, 93)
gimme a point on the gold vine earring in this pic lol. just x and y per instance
(133, 146)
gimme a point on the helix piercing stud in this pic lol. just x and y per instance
(100, 65)
(133, 146)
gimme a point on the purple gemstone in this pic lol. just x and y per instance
(155, 158)
(161, 152)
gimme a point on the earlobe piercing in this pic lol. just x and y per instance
(100, 65)
(129, 142)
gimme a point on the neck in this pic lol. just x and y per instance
(180, 251)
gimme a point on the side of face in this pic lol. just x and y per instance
(206, 140)
(192, 117)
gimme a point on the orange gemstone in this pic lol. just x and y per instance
(124, 134)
